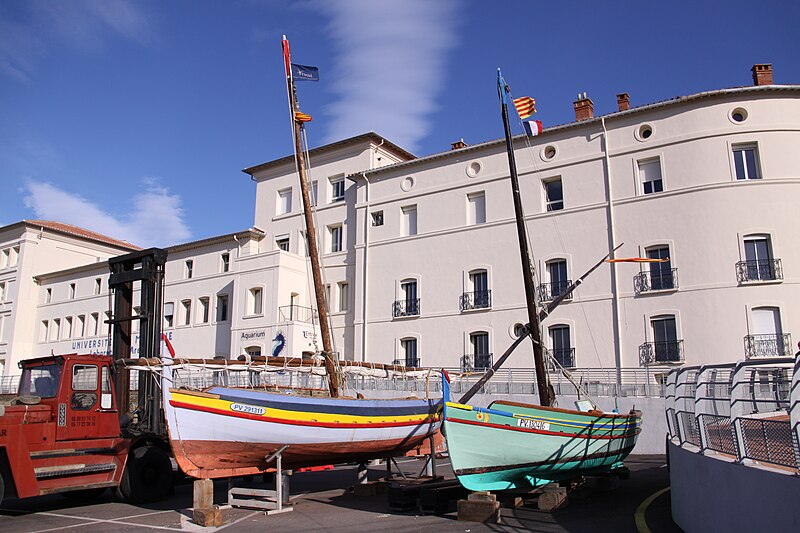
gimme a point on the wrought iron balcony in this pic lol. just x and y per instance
(551, 291)
(646, 281)
(564, 356)
(475, 300)
(476, 361)
(656, 353)
(297, 313)
(759, 270)
(767, 345)
(405, 308)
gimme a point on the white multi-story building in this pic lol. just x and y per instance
(421, 259)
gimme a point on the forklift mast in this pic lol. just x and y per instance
(146, 266)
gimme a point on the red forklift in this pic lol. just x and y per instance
(73, 429)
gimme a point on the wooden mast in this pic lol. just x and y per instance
(534, 326)
(311, 234)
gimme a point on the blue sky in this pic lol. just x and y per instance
(135, 118)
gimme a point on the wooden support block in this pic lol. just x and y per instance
(552, 499)
(207, 517)
(372, 488)
(203, 496)
(476, 510)
(482, 496)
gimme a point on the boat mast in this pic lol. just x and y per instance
(534, 329)
(311, 234)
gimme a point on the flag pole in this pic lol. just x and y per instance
(311, 234)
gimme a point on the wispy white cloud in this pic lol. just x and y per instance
(389, 60)
(30, 32)
(153, 218)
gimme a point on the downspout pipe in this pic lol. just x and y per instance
(612, 246)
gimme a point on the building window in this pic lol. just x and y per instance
(225, 262)
(476, 208)
(658, 276)
(106, 322)
(559, 280)
(377, 218)
(188, 270)
(284, 202)
(43, 331)
(745, 162)
(80, 331)
(335, 234)
(337, 189)
(554, 195)
(55, 330)
(2, 291)
(767, 338)
(204, 310)
(408, 305)
(409, 348)
(48, 295)
(256, 304)
(666, 347)
(4, 258)
(94, 324)
(253, 351)
(71, 291)
(98, 285)
(282, 242)
(759, 264)
(68, 327)
(479, 296)
(169, 314)
(410, 220)
(561, 350)
(13, 258)
(222, 307)
(344, 289)
(481, 357)
(650, 176)
(186, 310)
(314, 193)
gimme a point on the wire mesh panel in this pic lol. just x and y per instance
(689, 432)
(769, 441)
(718, 433)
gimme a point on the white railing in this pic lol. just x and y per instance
(746, 411)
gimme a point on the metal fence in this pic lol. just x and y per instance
(748, 411)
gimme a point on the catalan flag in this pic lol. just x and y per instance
(301, 117)
(526, 106)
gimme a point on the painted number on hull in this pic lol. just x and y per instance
(249, 409)
(527, 423)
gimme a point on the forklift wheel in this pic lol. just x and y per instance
(2, 488)
(147, 476)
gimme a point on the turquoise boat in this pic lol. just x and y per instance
(518, 446)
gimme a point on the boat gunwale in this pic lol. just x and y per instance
(594, 412)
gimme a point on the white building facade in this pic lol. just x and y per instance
(421, 259)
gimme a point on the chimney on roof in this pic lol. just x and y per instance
(623, 102)
(584, 108)
(762, 74)
(458, 144)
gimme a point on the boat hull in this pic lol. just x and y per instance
(225, 431)
(519, 446)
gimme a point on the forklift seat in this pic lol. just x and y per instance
(45, 387)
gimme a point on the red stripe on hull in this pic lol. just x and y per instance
(343, 425)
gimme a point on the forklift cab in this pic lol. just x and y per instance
(78, 390)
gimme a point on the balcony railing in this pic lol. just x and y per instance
(476, 362)
(656, 353)
(297, 313)
(564, 356)
(759, 270)
(475, 300)
(767, 345)
(405, 308)
(646, 281)
(551, 291)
